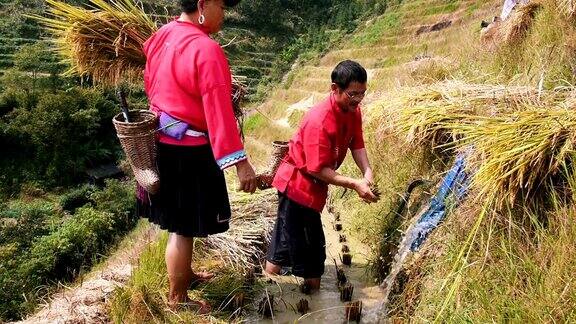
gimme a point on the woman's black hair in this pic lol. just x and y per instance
(189, 6)
(348, 71)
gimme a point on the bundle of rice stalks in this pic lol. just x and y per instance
(568, 7)
(104, 41)
(428, 115)
(522, 156)
(242, 246)
(512, 30)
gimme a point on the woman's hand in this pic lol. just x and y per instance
(362, 187)
(247, 176)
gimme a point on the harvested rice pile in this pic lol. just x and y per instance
(524, 141)
(242, 246)
(428, 114)
(513, 30)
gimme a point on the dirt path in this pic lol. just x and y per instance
(325, 305)
(86, 302)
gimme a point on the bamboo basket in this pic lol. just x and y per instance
(279, 151)
(139, 143)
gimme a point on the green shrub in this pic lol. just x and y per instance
(33, 219)
(62, 132)
(43, 246)
(117, 198)
(61, 254)
(76, 198)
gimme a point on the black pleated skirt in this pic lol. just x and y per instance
(193, 198)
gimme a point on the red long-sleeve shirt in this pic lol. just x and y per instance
(187, 76)
(322, 141)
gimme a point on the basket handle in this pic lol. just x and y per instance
(123, 103)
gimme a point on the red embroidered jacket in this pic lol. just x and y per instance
(187, 76)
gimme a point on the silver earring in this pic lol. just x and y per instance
(201, 19)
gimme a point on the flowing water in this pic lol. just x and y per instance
(379, 313)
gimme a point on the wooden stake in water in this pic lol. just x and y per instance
(341, 278)
(346, 259)
(345, 248)
(303, 306)
(354, 311)
(338, 226)
(346, 292)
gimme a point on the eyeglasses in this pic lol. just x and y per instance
(355, 96)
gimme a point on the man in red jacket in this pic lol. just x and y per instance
(316, 151)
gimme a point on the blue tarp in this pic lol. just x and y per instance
(454, 187)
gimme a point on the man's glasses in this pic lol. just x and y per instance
(355, 96)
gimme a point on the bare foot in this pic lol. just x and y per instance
(197, 306)
(199, 278)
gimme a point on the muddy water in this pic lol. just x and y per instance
(325, 305)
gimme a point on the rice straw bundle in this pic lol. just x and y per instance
(250, 228)
(522, 155)
(104, 41)
(514, 29)
(568, 7)
(523, 139)
(427, 114)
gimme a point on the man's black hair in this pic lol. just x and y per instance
(189, 6)
(348, 71)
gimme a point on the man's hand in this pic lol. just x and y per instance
(362, 187)
(369, 176)
(247, 176)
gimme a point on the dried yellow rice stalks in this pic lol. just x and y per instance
(104, 41)
(428, 115)
(523, 155)
(242, 246)
(568, 7)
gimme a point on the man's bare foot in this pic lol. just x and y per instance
(200, 278)
(197, 306)
(272, 269)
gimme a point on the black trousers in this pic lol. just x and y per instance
(298, 239)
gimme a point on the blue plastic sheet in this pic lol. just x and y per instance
(453, 189)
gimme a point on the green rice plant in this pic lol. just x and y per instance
(516, 270)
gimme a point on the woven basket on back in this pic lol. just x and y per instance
(279, 151)
(138, 142)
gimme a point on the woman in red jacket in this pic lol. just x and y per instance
(188, 83)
